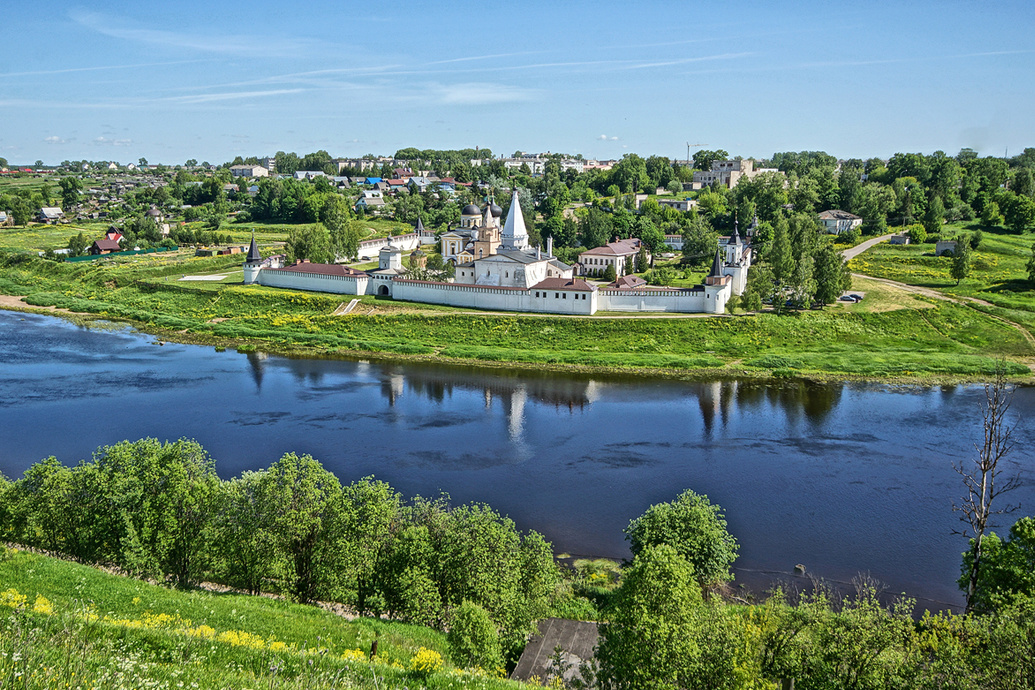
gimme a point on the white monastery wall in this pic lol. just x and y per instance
(342, 285)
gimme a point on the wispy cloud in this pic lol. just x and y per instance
(100, 68)
(55, 140)
(476, 93)
(228, 96)
(107, 141)
(200, 41)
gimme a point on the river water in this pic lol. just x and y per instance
(842, 478)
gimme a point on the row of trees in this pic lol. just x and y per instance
(159, 510)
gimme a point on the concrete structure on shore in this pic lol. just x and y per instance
(516, 278)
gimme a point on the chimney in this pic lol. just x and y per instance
(538, 252)
(549, 246)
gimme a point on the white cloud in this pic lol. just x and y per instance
(614, 138)
(477, 93)
(55, 140)
(106, 141)
(602, 137)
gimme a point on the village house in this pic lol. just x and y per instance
(837, 222)
(50, 214)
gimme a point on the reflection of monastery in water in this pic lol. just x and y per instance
(497, 269)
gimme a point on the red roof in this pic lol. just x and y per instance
(628, 282)
(564, 284)
(321, 269)
(619, 248)
(107, 245)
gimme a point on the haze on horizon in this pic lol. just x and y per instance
(120, 81)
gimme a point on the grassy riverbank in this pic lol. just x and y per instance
(69, 625)
(889, 337)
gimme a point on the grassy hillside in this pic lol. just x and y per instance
(69, 625)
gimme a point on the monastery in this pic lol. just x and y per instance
(496, 269)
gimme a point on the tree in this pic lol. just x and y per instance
(1020, 213)
(832, 275)
(917, 233)
(651, 637)
(961, 259)
(336, 215)
(984, 479)
(70, 187)
(1007, 567)
(473, 639)
(699, 242)
(243, 543)
(1031, 265)
(703, 158)
(77, 245)
(610, 275)
(310, 242)
(935, 215)
(301, 503)
(695, 528)
(20, 211)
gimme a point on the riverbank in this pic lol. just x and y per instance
(890, 339)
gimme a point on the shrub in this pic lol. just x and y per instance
(473, 639)
(917, 234)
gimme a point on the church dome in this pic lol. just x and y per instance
(497, 211)
(470, 210)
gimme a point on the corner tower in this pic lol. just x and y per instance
(252, 263)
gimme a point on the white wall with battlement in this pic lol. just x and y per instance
(368, 249)
(496, 298)
(340, 285)
(697, 300)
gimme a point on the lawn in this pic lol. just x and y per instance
(998, 275)
(69, 625)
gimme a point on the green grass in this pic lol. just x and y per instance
(998, 275)
(912, 337)
(87, 628)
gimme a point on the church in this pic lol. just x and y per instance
(497, 269)
(509, 260)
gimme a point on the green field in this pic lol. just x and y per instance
(68, 625)
(877, 339)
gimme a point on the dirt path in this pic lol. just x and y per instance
(15, 302)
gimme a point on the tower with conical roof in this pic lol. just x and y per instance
(514, 236)
(252, 263)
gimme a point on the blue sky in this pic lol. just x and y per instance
(212, 80)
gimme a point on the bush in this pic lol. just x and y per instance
(975, 239)
(695, 528)
(917, 234)
(473, 639)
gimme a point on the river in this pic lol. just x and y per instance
(842, 478)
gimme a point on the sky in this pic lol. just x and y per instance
(213, 80)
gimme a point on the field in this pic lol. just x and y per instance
(69, 625)
(891, 337)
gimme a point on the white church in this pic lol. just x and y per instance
(497, 269)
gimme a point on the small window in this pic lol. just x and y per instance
(556, 295)
(564, 296)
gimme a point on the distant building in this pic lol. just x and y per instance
(837, 222)
(249, 171)
(728, 173)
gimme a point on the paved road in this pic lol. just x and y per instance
(858, 249)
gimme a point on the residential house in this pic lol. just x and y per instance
(50, 214)
(105, 247)
(837, 222)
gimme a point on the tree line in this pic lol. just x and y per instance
(159, 510)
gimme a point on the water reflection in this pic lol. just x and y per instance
(806, 473)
